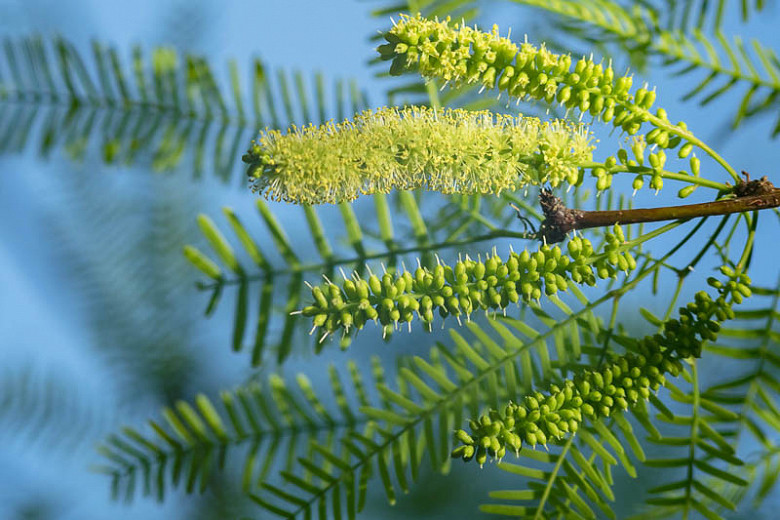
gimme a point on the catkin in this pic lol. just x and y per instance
(449, 151)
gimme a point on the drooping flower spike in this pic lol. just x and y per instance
(593, 394)
(441, 150)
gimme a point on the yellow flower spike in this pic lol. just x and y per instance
(450, 151)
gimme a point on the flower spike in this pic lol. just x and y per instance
(468, 286)
(450, 151)
(542, 417)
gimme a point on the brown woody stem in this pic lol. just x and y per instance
(559, 220)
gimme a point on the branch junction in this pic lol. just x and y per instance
(559, 220)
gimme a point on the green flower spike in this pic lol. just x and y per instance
(468, 286)
(461, 55)
(442, 150)
(544, 417)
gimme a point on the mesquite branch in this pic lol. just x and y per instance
(747, 196)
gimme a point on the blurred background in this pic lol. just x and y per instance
(101, 322)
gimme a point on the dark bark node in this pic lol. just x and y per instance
(747, 195)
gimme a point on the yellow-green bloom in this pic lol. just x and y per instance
(450, 151)
(462, 55)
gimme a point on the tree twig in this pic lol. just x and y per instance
(559, 220)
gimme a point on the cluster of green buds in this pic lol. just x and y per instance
(737, 287)
(449, 151)
(459, 290)
(543, 417)
(459, 55)
(651, 165)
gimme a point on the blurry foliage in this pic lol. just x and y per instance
(48, 410)
(158, 111)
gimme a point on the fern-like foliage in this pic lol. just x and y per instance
(392, 429)
(702, 14)
(647, 28)
(389, 430)
(573, 478)
(268, 423)
(160, 109)
(47, 409)
(750, 394)
(404, 421)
